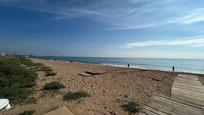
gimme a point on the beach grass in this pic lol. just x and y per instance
(41, 67)
(53, 86)
(27, 112)
(16, 81)
(75, 95)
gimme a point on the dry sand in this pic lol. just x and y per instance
(201, 78)
(108, 92)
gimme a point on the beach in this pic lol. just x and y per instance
(101, 57)
(164, 64)
(107, 92)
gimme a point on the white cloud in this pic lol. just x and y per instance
(190, 17)
(117, 14)
(192, 42)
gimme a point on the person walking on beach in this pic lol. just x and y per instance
(128, 65)
(173, 69)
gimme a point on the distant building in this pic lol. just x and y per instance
(3, 54)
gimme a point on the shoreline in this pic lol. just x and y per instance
(124, 67)
(200, 75)
(137, 67)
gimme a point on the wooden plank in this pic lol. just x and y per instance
(188, 92)
(155, 110)
(185, 76)
(85, 74)
(182, 102)
(160, 105)
(94, 73)
(88, 74)
(187, 80)
(196, 83)
(187, 98)
(197, 94)
(148, 112)
(141, 113)
(188, 88)
(192, 100)
(61, 111)
(174, 107)
(193, 83)
(188, 77)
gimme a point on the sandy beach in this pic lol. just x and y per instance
(107, 92)
(101, 57)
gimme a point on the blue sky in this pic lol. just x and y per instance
(103, 28)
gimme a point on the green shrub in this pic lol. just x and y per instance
(28, 112)
(25, 61)
(131, 107)
(38, 64)
(14, 93)
(46, 69)
(15, 80)
(11, 74)
(75, 95)
(41, 67)
(53, 86)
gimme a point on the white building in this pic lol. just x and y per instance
(3, 54)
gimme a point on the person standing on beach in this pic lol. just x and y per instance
(128, 65)
(173, 69)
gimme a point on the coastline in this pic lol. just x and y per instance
(165, 70)
(107, 92)
(200, 75)
(131, 67)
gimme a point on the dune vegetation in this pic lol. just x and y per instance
(75, 95)
(53, 86)
(27, 112)
(16, 81)
(17, 78)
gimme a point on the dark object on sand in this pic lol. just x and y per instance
(128, 65)
(88, 73)
(131, 107)
(173, 69)
(27, 112)
(84, 74)
(94, 73)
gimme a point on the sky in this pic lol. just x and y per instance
(103, 28)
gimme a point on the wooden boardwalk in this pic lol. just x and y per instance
(187, 98)
(188, 88)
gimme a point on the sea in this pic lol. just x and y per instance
(181, 65)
